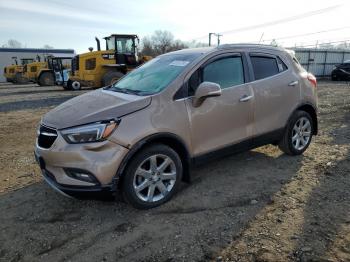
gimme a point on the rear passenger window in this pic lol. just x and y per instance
(281, 65)
(264, 66)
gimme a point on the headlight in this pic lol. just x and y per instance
(89, 133)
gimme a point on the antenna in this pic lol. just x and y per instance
(261, 37)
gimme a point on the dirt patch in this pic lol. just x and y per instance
(309, 219)
(260, 205)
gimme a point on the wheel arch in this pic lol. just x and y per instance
(169, 139)
(311, 110)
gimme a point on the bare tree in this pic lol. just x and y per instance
(195, 44)
(48, 47)
(161, 42)
(12, 43)
(147, 47)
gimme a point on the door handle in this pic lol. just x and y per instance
(294, 83)
(245, 98)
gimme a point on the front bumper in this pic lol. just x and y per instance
(100, 159)
(74, 191)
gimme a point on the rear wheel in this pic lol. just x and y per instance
(46, 79)
(334, 78)
(111, 77)
(152, 177)
(20, 79)
(298, 134)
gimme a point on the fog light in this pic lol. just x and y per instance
(81, 175)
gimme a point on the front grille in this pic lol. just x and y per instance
(75, 64)
(46, 137)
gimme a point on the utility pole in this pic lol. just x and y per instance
(210, 34)
(218, 35)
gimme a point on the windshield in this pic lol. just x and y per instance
(110, 43)
(27, 61)
(155, 75)
(125, 45)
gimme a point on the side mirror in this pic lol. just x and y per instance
(205, 90)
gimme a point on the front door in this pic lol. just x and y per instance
(225, 120)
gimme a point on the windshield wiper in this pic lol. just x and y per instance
(125, 90)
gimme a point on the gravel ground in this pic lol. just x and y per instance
(260, 205)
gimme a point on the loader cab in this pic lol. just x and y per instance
(25, 61)
(60, 68)
(125, 47)
(122, 44)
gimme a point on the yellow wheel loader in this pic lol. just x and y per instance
(13, 73)
(104, 67)
(56, 72)
(51, 72)
(31, 70)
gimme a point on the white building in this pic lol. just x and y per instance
(7, 54)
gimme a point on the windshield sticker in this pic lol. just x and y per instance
(179, 63)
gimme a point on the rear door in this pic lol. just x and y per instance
(277, 92)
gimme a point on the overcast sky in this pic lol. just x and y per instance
(74, 24)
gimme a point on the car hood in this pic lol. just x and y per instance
(94, 106)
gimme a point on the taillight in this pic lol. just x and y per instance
(312, 79)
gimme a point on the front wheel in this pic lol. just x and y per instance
(298, 134)
(75, 86)
(152, 177)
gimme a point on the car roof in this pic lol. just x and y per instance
(247, 46)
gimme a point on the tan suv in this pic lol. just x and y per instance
(143, 134)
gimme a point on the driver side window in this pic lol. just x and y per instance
(226, 72)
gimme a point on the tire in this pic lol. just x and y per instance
(75, 86)
(155, 180)
(289, 143)
(20, 79)
(9, 80)
(111, 77)
(46, 79)
(334, 78)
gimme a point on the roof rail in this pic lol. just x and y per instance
(224, 46)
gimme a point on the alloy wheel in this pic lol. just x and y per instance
(154, 178)
(301, 133)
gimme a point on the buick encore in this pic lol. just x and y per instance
(142, 135)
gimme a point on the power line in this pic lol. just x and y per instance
(280, 21)
(307, 34)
